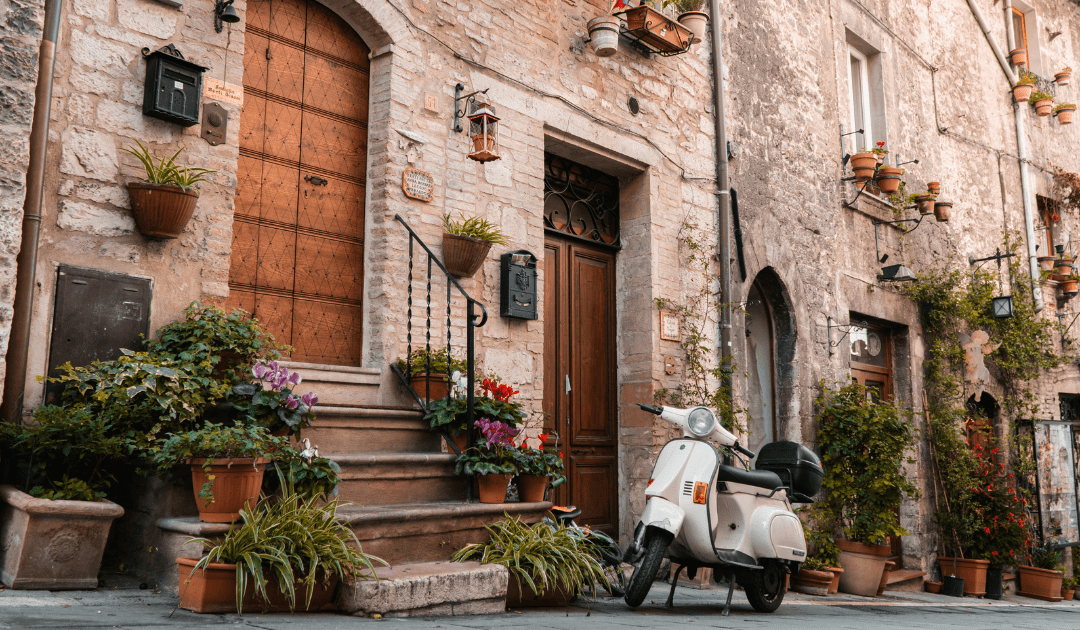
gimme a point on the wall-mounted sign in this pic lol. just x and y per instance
(417, 184)
(218, 90)
(669, 326)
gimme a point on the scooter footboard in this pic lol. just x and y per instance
(664, 515)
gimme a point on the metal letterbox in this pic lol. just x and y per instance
(519, 285)
(173, 86)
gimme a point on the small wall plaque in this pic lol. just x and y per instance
(669, 326)
(417, 184)
(218, 90)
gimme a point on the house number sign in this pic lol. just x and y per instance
(417, 184)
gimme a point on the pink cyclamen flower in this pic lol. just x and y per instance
(259, 370)
(293, 403)
(309, 399)
(294, 378)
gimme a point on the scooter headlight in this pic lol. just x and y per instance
(701, 422)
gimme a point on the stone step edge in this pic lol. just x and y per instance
(349, 411)
(380, 459)
(355, 516)
(297, 366)
(429, 589)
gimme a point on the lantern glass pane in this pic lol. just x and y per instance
(1003, 306)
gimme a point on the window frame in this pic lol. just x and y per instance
(1021, 40)
(864, 101)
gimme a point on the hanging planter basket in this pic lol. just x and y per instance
(1062, 78)
(656, 31)
(1022, 92)
(161, 211)
(1063, 266)
(604, 34)
(697, 22)
(1068, 287)
(889, 179)
(463, 255)
(1065, 113)
(1019, 56)
(925, 204)
(1044, 107)
(941, 211)
(1046, 263)
(934, 188)
(864, 160)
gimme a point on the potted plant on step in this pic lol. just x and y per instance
(537, 469)
(466, 243)
(164, 203)
(227, 465)
(1043, 103)
(430, 369)
(692, 17)
(548, 563)
(449, 415)
(1064, 113)
(268, 400)
(1042, 580)
(288, 552)
(492, 459)
(54, 529)
(1025, 85)
(864, 443)
(1062, 78)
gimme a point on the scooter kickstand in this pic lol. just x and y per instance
(730, 592)
(674, 583)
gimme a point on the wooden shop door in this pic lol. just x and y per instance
(580, 375)
(298, 229)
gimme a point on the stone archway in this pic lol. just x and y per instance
(773, 364)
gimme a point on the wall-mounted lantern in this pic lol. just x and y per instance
(1002, 305)
(173, 86)
(519, 285)
(483, 124)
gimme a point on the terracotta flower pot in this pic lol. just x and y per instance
(1068, 287)
(518, 594)
(941, 211)
(1044, 584)
(1067, 594)
(864, 174)
(1063, 266)
(1044, 106)
(1065, 115)
(493, 488)
(440, 387)
(1046, 263)
(813, 582)
(604, 33)
(213, 590)
(697, 22)
(888, 179)
(932, 587)
(972, 571)
(835, 584)
(885, 577)
(864, 160)
(1062, 78)
(925, 204)
(531, 488)
(863, 565)
(1022, 92)
(52, 545)
(657, 30)
(161, 211)
(236, 482)
(1019, 56)
(934, 188)
(463, 255)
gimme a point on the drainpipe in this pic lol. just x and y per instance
(1022, 150)
(722, 190)
(19, 342)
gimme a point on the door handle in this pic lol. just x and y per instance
(315, 180)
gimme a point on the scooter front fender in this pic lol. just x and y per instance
(663, 514)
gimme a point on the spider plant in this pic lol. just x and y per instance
(293, 539)
(165, 171)
(474, 227)
(544, 556)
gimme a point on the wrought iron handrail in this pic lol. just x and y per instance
(474, 320)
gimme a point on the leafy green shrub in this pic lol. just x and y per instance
(1046, 557)
(1068, 106)
(543, 557)
(863, 444)
(70, 453)
(474, 227)
(293, 540)
(166, 171)
(1038, 95)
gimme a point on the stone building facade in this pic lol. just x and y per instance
(934, 91)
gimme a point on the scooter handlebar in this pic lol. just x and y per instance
(744, 451)
(653, 410)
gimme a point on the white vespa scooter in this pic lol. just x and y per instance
(738, 522)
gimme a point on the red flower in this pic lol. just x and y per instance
(881, 144)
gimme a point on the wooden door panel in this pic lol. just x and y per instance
(553, 368)
(339, 329)
(288, 18)
(282, 131)
(279, 193)
(329, 267)
(255, 62)
(333, 144)
(277, 258)
(593, 353)
(249, 180)
(331, 207)
(335, 87)
(252, 130)
(258, 16)
(243, 265)
(593, 479)
(328, 33)
(275, 314)
(286, 72)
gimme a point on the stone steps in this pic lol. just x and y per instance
(350, 429)
(905, 580)
(429, 589)
(369, 479)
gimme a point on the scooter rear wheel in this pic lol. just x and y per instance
(656, 543)
(765, 588)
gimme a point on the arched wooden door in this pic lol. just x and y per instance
(298, 232)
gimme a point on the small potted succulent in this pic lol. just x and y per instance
(227, 465)
(537, 469)
(1043, 102)
(466, 243)
(1064, 113)
(1024, 87)
(430, 369)
(1018, 56)
(494, 459)
(164, 203)
(1062, 78)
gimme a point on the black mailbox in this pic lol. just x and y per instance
(173, 86)
(519, 285)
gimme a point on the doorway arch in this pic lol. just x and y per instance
(772, 374)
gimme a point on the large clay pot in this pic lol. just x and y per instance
(531, 488)
(863, 566)
(1065, 115)
(697, 22)
(493, 488)
(864, 174)
(889, 179)
(657, 30)
(1046, 263)
(864, 160)
(161, 211)
(463, 255)
(213, 590)
(1044, 584)
(1022, 92)
(518, 594)
(1063, 266)
(1019, 56)
(813, 582)
(1068, 287)
(925, 204)
(236, 482)
(52, 545)
(1044, 106)
(604, 33)
(941, 211)
(973, 572)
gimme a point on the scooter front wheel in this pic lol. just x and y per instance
(656, 543)
(765, 588)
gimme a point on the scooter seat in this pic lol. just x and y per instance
(757, 478)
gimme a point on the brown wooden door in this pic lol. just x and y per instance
(298, 232)
(579, 356)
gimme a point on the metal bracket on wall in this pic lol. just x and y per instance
(459, 112)
(877, 222)
(847, 331)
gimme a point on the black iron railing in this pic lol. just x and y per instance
(474, 320)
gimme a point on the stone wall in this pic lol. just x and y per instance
(20, 38)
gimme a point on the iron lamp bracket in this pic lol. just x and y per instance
(459, 111)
